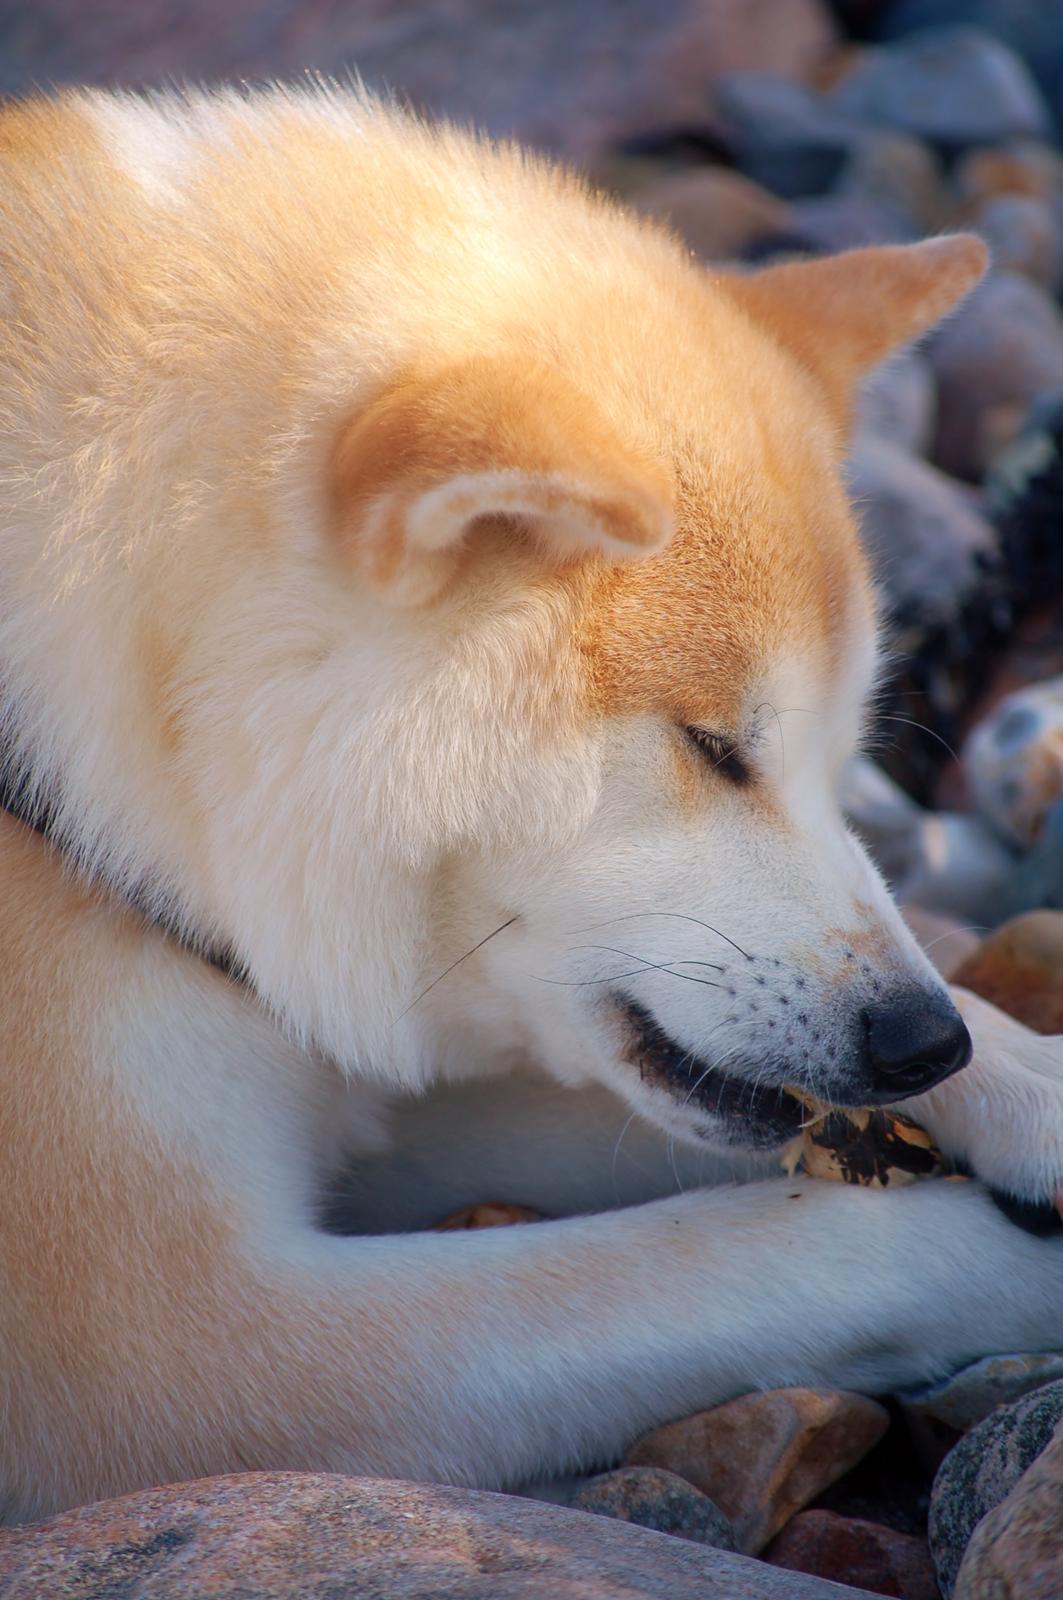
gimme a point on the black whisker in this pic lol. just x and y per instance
(417, 1000)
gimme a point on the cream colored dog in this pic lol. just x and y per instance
(420, 580)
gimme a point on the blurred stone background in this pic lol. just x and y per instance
(760, 129)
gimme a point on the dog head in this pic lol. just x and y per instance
(653, 529)
(487, 627)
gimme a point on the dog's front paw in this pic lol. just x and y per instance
(1002, 1117)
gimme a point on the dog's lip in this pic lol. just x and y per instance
(755, 1114)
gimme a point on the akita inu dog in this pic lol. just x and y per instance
(424, 583)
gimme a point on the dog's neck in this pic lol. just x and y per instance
(20, 798)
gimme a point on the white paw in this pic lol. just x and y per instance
(1003, 1115)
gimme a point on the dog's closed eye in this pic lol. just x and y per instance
(721, 753)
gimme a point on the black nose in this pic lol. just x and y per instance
(914, 1043)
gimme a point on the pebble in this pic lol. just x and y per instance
(1023, 235)
(834, 222)
(1019, 968)
(1025, 168)
(959, 869)
(783, 135)
(983, 1469)
(897, 402)
(721, 215)
(1029, 27)
(295, 1536)
(1013, 762)
(947, 942)
(764, 1456)
(955, 86)
(901, 171)
(929, 546)
(853, 1550)
(886, 818)
(653, 1498)
(1016, 1551)
(999, 349)
(966, 1397)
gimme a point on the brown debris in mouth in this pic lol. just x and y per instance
(868, 1146)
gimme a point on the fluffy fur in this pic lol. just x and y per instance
(380, 511)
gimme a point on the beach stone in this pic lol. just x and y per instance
(983, 1469)
(1001, 348)
(1029, 27)
(296, 1536)
(955, 86)
(834, 222)
(1016, 1551)
(960, 869)
(719, 213)
(784, 135)
(887, 819)
(929, 546)
(1023, 235)
(1025, 168)
(764, 1456)
(853, 1550)
(947, 942)
(576, 81)
(1013, 762)
(966, 1397)
(653, 1498)
(900, 171)
(1019, 968)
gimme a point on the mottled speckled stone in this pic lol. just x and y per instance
(1016, 1552)
(982, 1471)
(293, 1536)
(653, 1498)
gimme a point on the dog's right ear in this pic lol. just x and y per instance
(443, 466)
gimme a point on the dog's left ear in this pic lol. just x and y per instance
(841, 314)
(448, 467)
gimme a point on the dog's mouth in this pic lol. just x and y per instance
(745, 1113)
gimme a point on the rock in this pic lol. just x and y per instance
(763, 1456)
(1025, 168)
(847, 221)
(1013, 762)
(1016, 1552)
(1029, 27)
(851, 1550)
(897, 402)
(295, 1536)
(982, 1471)
(886, 818)
(900, 171)
(955, 86)
(929, 546)
(783, 135)
(947, 942)
(1038, 880)
(1020, 969)
(656, 1499)
(1002, 347)
(966, 1397)
(1023, 235)
(576, 82)
(721, 215)
(959, 869)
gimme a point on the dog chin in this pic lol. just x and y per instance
(706, 1104)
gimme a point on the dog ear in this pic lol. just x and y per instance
(841, 314)
(486, 449)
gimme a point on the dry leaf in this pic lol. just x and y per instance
(870, 1147)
